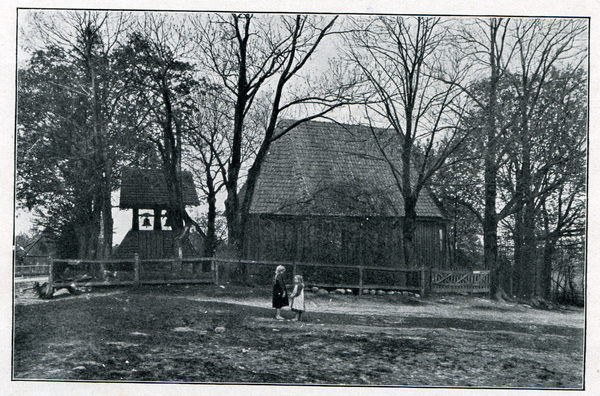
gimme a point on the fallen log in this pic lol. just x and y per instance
(46, 290)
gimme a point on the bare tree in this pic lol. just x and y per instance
(485, 42)
(247, 54)
(160, 82)
(400, 59)
(513, 63)
(541, 46)
(209, 147)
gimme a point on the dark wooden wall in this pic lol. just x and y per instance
(152, 244)
(351, 241)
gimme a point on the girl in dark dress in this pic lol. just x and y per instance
(280, 295)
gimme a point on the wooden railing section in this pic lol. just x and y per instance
(32, 270)
(460, 281)
(215, 270)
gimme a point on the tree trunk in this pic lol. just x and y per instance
(232, 215)
(107, 218)
(546, 278)
(525, 239)
(530, 257)
(171, 155)
(211, 238)
(490, 216)
(232, 204)
(519, 275)
(490, 228)
(102, 168)
(87, 241)
(409, 226)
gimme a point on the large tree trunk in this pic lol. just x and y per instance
(490, 219)
(84, 242)
(519, 275)
(490, 216)
(176, 211)
(232, 204)
(525, 239)
(409, 226)
(211, 238)
(530, 256)
(490, 225)
(232, 215)
(107, 219)
(546, 278)
(171, 155)
(102, 168)
(87, 241)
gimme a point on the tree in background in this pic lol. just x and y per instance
(250, 54)
(517, 148)
(66, 148)
(541, 47)
(484, 42)
(158, 87)
(400, 59)
(209, 153)
(556, 157)
(496, 123)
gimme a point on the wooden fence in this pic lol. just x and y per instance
(32, 270)
(357, 277)
(215, 270)
(460, 281)
(32, 265)
(131, 271)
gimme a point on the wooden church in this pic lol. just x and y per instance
(325, 195)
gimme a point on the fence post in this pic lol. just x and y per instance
(360, 280)
(216, 263)
(136, 269)
(422, 281)
(179, 263)
(51, 271)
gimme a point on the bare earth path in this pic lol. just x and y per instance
(208, 334)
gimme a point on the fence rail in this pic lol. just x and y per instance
(131, 271)
(40, 269)
(325, 275)
(214, 270)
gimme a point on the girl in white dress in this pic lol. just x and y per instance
(298, 297)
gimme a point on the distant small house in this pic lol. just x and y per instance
(146, 190)
(325, 195)
(38, 251)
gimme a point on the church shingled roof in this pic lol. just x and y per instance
(325, 168)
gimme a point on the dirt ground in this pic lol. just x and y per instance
(210, 334)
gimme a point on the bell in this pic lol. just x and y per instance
(146, 222)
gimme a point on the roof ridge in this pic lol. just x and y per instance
(328, 122)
